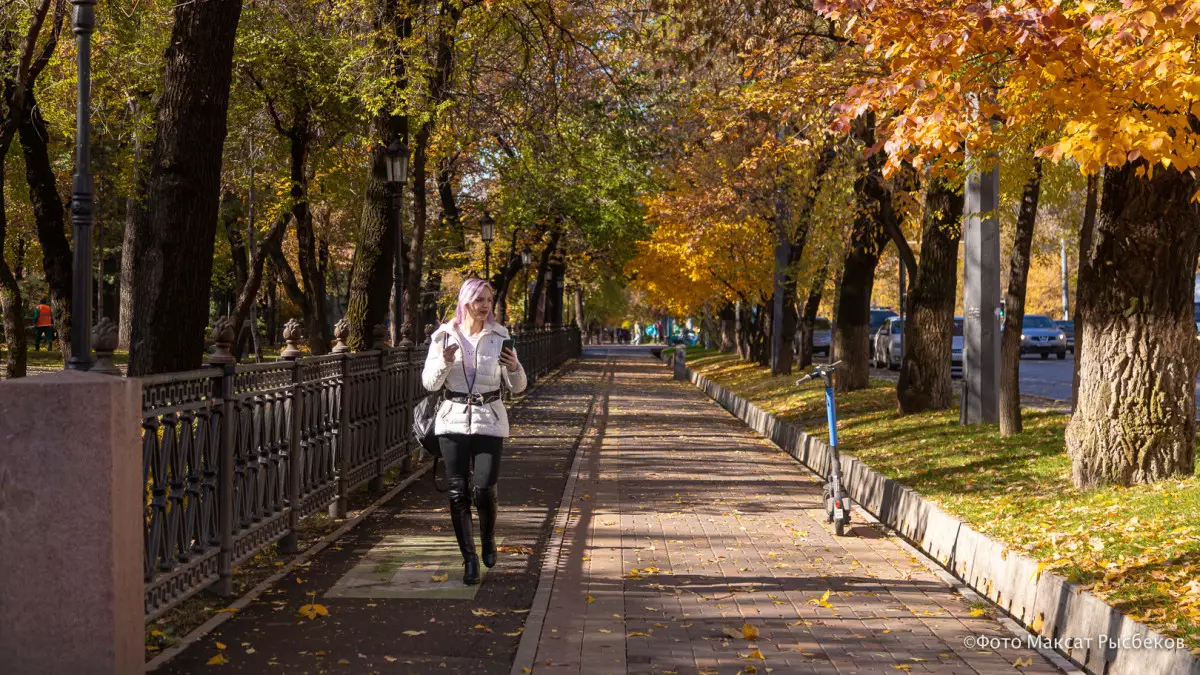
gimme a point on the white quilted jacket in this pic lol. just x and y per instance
(467, 418)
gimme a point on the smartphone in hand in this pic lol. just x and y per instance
(509, 344)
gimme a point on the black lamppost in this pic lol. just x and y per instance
(82, 204)
(487, 232)
(526, 259)
(396, 162)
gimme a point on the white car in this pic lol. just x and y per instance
(887, 341)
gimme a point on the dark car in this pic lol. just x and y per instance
(1068, 329)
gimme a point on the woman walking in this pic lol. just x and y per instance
(472, 356)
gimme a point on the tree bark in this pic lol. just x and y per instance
(728, 321)
(135, 219)
(1086, 230)
(11, 302)
(852, 327)
(318, 329)
(249, 291)
(929, 325)
(230, 215)
(449, 13)
(539, 283)
(808, 320)
(175, 248)
(1135, 421)
(579, 308)
(50, 217)
(1014, 306)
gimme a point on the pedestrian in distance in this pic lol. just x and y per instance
(43, 325)
(473, 358)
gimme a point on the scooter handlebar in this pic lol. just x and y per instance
(818, 372)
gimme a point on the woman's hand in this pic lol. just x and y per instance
(509, 359)
(449, 351)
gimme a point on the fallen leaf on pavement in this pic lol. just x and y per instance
(312, 611)
(414, 633)
(439, 578)
(218, 660)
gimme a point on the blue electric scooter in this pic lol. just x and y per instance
(837, 504)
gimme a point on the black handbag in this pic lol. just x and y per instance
(424, 423)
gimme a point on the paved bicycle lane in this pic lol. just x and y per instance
(391, 589)
(688, 533)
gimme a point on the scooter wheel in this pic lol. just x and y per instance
(839, 528)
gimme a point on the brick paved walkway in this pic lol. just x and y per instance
(722, 529)
(685, 526)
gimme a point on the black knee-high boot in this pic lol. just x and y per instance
(485, 505)
(460, 515)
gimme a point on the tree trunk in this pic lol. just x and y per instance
(1136, 417)
(1014, 306)
(135, 219)
(852, 327)
(1086, 230)
(808, 319)
(174, 251)
(371, 273)
(929, 325)
(579, 308)
(449, 13)
(230, 215)
(761, 346)
(249, 291)
(50, 216)
(728, 321)
(318, 329)
(539, 283)
(11, 303)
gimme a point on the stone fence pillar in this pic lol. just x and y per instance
(71, 595)
(680, 363)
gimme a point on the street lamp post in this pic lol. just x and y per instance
(487, 232)
(82, 198)
(526, 259)
(396, 161)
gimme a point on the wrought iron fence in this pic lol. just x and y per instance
(234, 456)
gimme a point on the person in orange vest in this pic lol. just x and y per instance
(43, 326)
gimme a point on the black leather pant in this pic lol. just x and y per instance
(460, 451)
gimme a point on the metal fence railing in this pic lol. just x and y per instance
(234, 456)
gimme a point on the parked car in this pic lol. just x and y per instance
(1039, 335)
(822, 337)
(956, 346)
(878, 316)
(887, 353)
(1068, 329)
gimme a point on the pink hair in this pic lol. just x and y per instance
(470, 290)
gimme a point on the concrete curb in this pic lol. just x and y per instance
(1071, 619)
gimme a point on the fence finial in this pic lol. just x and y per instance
(104, 342)
(341, 332)
(379, 336)
(222, 336)
(291, 335)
